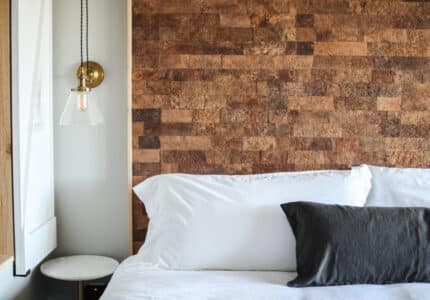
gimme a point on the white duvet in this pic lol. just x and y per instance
(134, 280)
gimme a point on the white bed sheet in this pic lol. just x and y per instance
(135, 280)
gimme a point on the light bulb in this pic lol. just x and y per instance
(82, 101)
(81, 109)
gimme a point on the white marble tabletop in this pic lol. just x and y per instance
(79, 267)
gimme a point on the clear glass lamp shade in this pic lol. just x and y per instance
(80, 110)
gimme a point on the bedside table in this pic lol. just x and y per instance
(79, 268)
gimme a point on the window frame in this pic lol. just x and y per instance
(6, 200)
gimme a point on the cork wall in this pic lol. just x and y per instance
(250, 86)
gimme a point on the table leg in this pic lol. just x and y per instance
(81, 290)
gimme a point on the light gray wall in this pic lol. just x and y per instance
(91, 165)
(18, 288)
(91, 185)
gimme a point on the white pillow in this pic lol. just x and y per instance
(235, 222)
(399, 187)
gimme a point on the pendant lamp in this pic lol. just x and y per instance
(80, 108)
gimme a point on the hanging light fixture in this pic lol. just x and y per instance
(80, 108)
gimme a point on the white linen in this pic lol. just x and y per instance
(399, 187)
(133, 280)
(223, 222)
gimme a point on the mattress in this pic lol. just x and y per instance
(136, 280)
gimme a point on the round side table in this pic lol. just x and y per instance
(79, 268)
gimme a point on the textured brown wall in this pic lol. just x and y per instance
(248, 86)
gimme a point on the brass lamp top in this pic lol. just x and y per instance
(82, 82)
(93, 76)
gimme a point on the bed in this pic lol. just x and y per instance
(134, 280)
(207, 232)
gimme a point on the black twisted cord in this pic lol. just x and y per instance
(86, 7)
(82, 15)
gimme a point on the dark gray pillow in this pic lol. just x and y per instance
(359, 245)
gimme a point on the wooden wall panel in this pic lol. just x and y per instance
(249, 86)
(6, 229)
